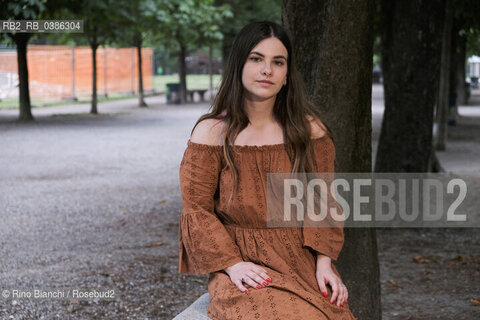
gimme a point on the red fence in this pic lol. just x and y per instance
(65, 72)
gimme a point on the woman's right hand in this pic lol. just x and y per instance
(252, 274)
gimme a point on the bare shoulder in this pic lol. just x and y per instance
(208, 131)
(317, 127)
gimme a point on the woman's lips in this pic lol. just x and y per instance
(265, 83)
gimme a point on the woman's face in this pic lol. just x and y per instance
(265, 71)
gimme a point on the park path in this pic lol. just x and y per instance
(91, 201)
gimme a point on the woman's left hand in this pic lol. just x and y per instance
(325, 275)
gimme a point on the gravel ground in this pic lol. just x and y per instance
(94, 201)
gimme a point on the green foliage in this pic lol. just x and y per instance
(97, 28)
(473, 41)
(22, 9)
(133, 23)
(245, 12)
(467, 15)
(187, 21)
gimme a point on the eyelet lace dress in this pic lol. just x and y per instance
(217, 231)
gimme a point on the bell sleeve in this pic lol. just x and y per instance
(324, 237)
(205, 246)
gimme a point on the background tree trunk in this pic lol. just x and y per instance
(411, 51)
(333, 43)
(444, 85)
(21, 40)
(461, 59)
(227, 43)
(138, 44)
(182, 72)
(210, 70)
(453, 81)
(94, 46)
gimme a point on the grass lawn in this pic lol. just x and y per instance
(12, 103)
(194, 81)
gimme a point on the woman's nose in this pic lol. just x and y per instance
(266, 69)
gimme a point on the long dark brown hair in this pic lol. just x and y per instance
(291, 106)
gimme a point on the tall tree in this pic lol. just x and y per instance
(184, 21)
(453, 72)
(212, 36)
(138, 24)
(460, 60)
(411, 52)
(98, 30)
(333, 43)
(22, 10)
(444, 79)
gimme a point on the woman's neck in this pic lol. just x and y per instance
(260, 113)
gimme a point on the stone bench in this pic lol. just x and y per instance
(197, 310)
(200, 92)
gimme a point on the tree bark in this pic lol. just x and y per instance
(94, 46)
(411, 52)
(453, 82)
(444, 85)
(333, 44)
(21, 40)
(461, 59)
(182, 72)
(210, 70)
(141, 100)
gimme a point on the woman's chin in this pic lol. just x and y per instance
(262, 96)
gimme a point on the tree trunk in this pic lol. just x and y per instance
(210, 70)
(411, 52)
(461, 59)
(227, 43)
(182, 72)
(94, 46)
(21, 40)
(444, 85)
(453, 81)
(334, 50)
(141, 100)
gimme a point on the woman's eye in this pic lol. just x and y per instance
(279, 63)
(255, 59)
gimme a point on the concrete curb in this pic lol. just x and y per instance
(197, 310)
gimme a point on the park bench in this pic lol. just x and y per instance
(197, 310)
(201, 92)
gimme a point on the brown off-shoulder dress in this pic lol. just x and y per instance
(216, 232)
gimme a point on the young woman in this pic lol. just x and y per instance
(261, 122)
